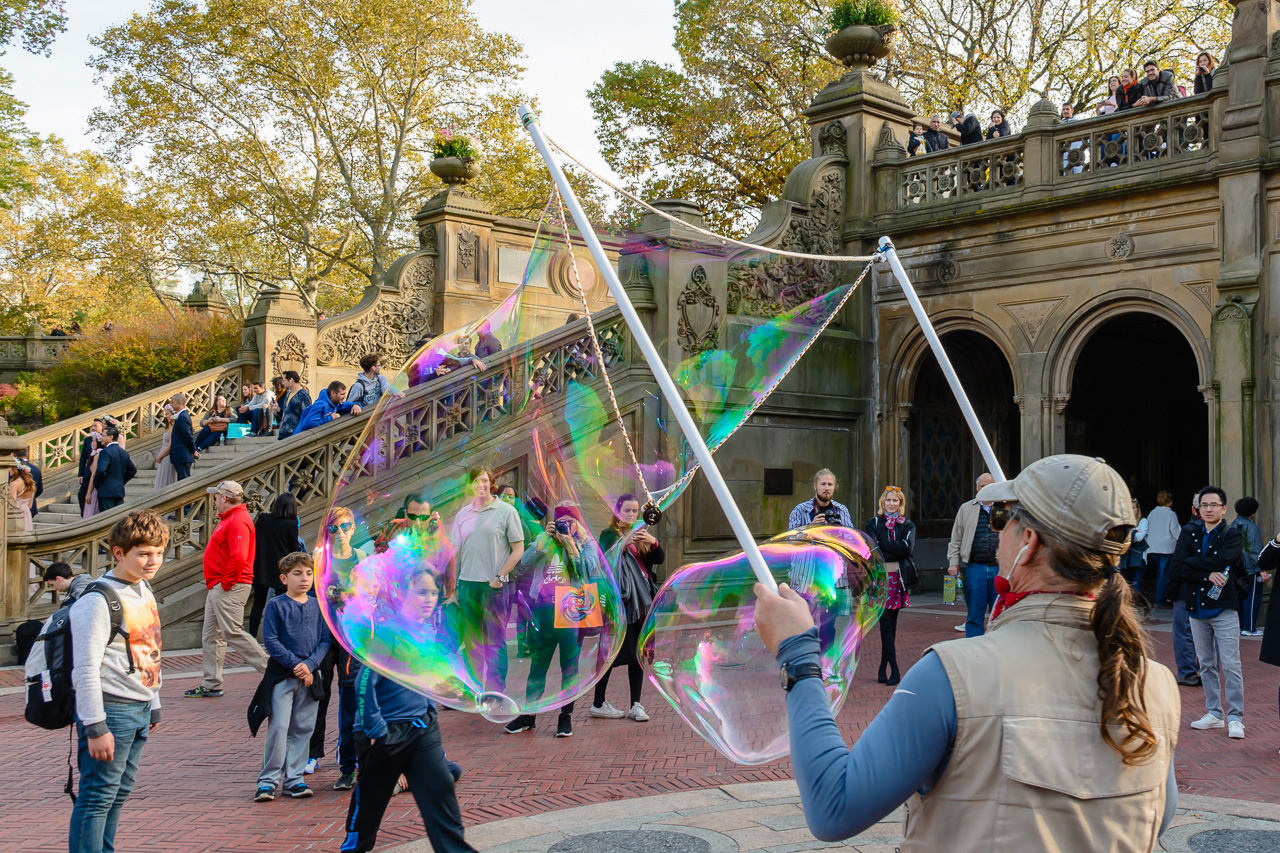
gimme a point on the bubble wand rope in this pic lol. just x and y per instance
(665, 383)
(889, 254)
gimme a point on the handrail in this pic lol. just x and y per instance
(57, 446)
(311, 467)
(16, 351)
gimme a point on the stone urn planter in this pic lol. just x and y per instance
(861, 46)
(455, 170)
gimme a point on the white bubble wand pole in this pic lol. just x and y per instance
(970, 416)
(665, 383)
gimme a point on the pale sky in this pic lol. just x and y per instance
(567, 45)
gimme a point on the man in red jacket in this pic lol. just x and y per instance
(228, 574)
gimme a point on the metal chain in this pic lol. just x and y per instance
(759, 399)
(599, 353)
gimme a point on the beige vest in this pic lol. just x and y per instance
(1030, 770)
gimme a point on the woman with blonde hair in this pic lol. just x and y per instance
(22, 487)
(896, 537)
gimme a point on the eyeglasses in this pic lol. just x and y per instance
(1000, 516)
(1211, 506)
(413, 517)
(344, 527)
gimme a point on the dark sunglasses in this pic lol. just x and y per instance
(413, 517)
(1000, 516)
(344, 527)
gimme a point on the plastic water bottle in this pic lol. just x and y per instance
(1216, 592)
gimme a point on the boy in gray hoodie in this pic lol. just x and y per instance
(116, 679)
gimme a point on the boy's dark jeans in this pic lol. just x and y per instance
(414, 749)
(105, 785)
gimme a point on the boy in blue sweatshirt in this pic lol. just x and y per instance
(402, 737)
(297, 639)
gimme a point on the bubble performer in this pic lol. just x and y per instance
(1053, 731)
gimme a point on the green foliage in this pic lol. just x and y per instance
(865, 13)
(27, 404)
(142, 351)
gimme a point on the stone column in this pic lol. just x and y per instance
(13, 581)
(282, 333)
(459, 227)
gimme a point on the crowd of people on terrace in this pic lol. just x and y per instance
(1130, 90)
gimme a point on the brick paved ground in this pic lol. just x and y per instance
(198, 773)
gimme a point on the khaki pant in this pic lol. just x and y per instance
(223, 624)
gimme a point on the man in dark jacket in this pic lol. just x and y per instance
(182, 441)
(969, 127)
(1157, 87)
(935, 138)
(1206, 566)
(297, 399)
(115, 468)
(86, 461)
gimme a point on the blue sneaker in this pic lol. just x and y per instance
(299, 791)
(265, 794)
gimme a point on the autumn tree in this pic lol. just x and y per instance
(725, 126)
(34, 23)
(303, 128)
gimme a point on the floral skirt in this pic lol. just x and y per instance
(898, 597)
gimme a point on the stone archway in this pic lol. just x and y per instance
(943, 458)
(1136, 400)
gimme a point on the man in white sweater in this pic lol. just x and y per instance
(116, 679)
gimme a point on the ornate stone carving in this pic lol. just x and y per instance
(1275, 46)
(948, 271)
(834, 139)
(468, 240)
(888, 146)
(767, 288)
(1031, 316)
(428, 239)
(290, 354)
(390, 327)
(1120, 247)
(254, 500)
(699, 328)
(1231, 311)
(1203, 289)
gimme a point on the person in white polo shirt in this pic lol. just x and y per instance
(489, 540)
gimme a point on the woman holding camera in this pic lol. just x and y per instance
(638, 584)
(896, 536)
(562, 557)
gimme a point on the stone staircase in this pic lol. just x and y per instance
(66, 508)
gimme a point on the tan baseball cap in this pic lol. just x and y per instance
(228, 489)
(1080, 498)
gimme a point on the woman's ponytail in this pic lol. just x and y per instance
(1122, 655)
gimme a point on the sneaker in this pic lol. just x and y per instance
(637, 713)
(522, 723)
(1235, 729)
(299, 791)
(1191, 680)
(265, 794)
(960, 628)
(1250, 633)
(564, 726)
(202, 692)
(455, 770)
(1209, 721)
(312, 764)
(607, 711)
(345, 782)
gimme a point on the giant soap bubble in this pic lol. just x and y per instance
(701, 648)
(522, 394)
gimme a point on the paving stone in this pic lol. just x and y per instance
(1236, 841)
(642, 841)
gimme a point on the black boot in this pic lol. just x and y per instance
(884, 663)
(891, 652)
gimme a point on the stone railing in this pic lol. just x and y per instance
(424, 430)
(56, 448)
(32, 352)
(1056, 156)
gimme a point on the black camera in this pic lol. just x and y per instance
(563, 527)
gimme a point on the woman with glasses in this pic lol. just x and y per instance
(276, 533)
(1052, 731)
(896, 536)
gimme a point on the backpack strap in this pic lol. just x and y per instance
(115, 607)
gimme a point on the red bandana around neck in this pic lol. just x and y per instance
(1006, 597)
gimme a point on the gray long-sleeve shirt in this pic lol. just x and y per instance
(100, 670)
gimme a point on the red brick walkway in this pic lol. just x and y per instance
(198, 772)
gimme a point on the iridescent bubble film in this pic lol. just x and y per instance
(412, 555)
(700, 647)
